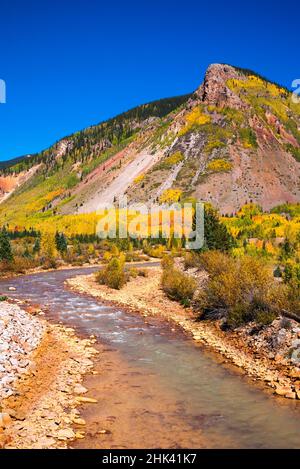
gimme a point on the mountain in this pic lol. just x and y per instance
(236, 139)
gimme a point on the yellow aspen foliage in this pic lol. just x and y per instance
(170, 196)
(139, 179)
(195, 118)
(48, 247)
(219, 166)
(172, 160)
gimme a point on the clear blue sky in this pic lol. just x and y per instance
(70, 64)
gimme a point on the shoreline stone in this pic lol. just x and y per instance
(37, 392)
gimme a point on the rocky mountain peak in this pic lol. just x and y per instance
(214, 90)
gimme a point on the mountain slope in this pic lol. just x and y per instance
(236, 139)
(239, 140)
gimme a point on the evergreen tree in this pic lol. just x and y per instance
(287, 249)
(57, 241)
(216, 235)
(5, 246)
(277, 272)
(37, 246)
(61, 242)
(26, 252)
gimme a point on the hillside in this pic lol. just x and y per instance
(236, 139)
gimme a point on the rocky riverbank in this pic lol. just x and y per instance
(41, 372)
(269, 355)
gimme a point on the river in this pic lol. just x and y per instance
(155, 387)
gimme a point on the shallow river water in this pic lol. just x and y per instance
(155, 387)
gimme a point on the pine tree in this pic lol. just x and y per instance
(57, 241)
(26, 252)
(5, 247)
(216, 235)
(37, 246)
(61, 242)
(277, 272)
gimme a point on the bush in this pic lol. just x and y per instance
(20, 265)
(167, 262)
(133, 256)
(154, 251)
(240, 290)
(215, 262)
(177, 285)
(133, 273)
(291, 298)
(113, 274)
(142, 272)
(51, 264)
(191, 259)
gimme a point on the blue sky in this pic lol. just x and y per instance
(70, 64)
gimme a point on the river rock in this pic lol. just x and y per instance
(65, 434)
(282, 391)
(295, 373)
(291, 395)
(4, 420)
(79, 421)
(78, 389)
